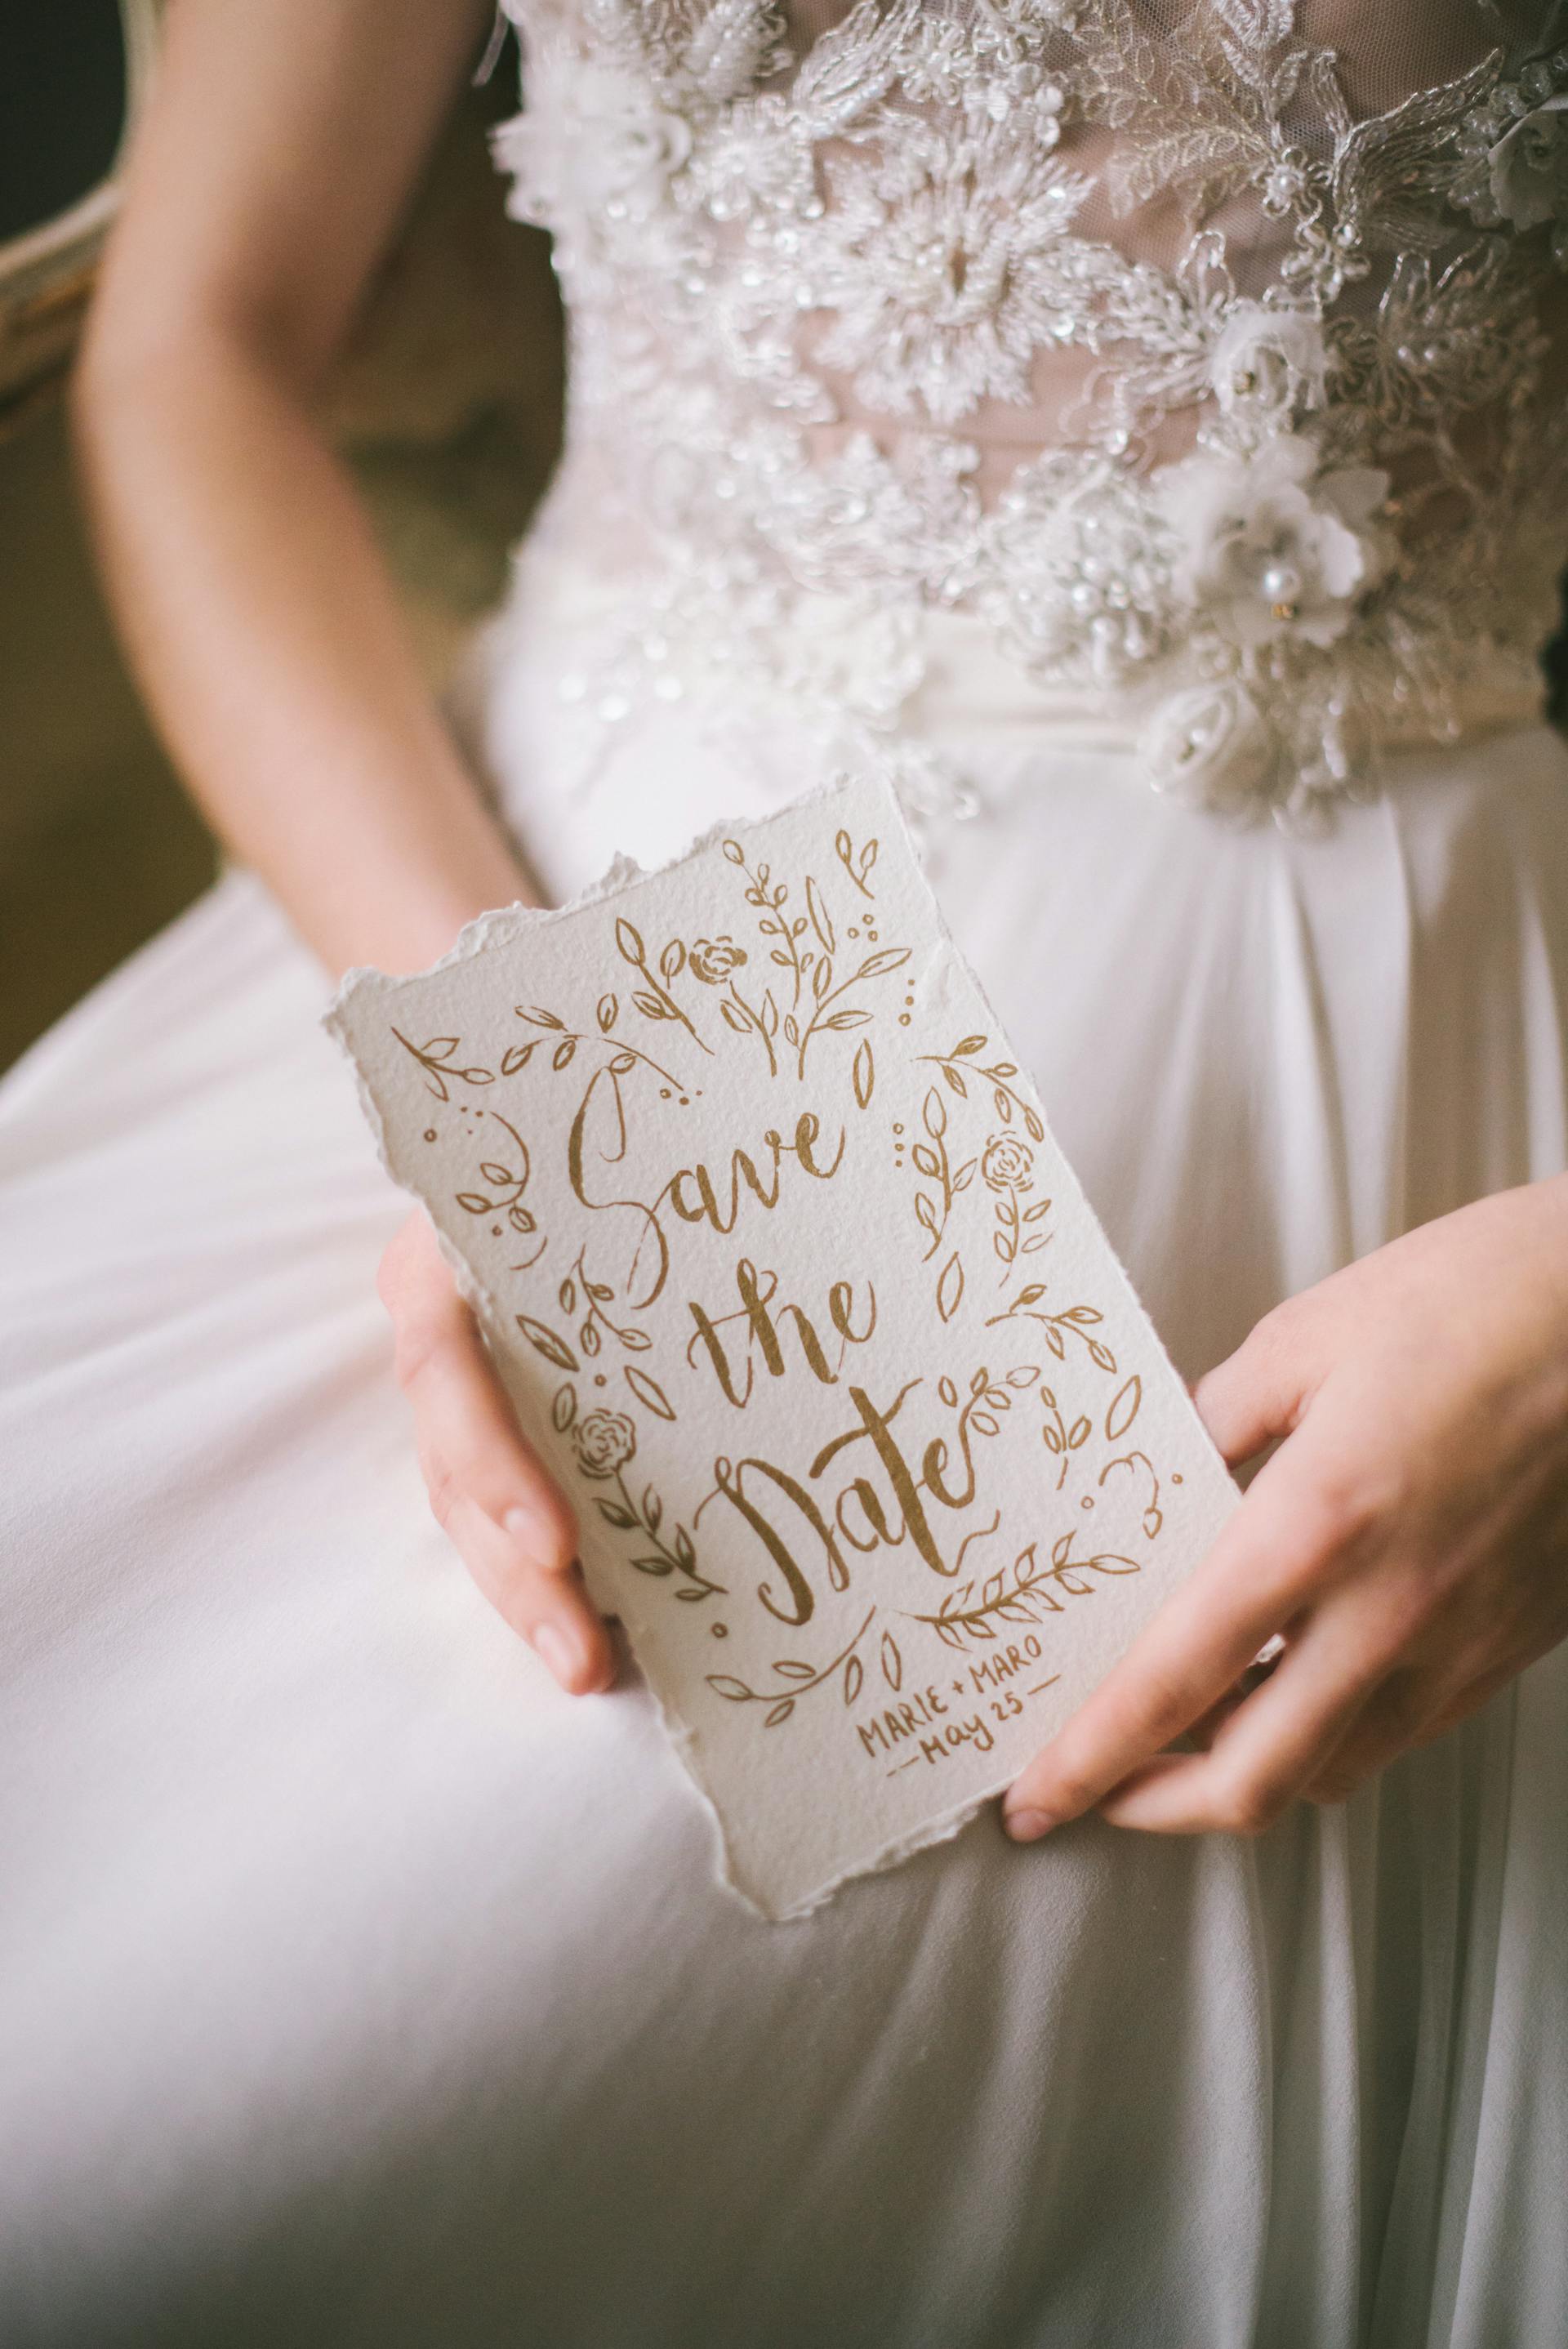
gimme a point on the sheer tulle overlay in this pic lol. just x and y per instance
(360, 1988)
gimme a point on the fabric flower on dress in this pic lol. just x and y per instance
(605, 1442)
(605, 141)
(713, 959)
(1209, 747)
(1269, 361)
(1517, 143)
(941, 257)
(1270, 547)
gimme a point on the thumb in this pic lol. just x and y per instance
(1260, 1391)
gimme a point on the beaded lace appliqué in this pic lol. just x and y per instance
(1286, 520)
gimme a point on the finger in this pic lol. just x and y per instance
(464, 1421)
(1277, 1550)
(551, 1610)
(1271, 1746)
(1259, 1391)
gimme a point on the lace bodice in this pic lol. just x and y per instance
(1210, 355)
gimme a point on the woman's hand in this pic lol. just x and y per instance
(511, 1527)
(1408, 1539)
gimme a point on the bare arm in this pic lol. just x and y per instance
(277, 157)
(280, 147)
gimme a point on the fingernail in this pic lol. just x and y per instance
(527, 1529)
(560, 1651)
(1025, 1827)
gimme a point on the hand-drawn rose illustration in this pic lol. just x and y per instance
(713, 959)
(605, 1441)
(1007, 1164)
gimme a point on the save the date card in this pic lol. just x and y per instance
(873, 1448)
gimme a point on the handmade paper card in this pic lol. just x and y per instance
(874, 1450)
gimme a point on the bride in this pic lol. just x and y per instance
(1140, 428)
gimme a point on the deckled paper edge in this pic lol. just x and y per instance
(499, 927)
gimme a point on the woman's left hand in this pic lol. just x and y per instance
(1408, 1539)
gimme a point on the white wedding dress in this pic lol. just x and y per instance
(1044, 400)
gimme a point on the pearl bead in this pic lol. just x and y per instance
(1281, 582)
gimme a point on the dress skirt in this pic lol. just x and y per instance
(357, 1988)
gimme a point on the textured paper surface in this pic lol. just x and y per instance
(874, 1450)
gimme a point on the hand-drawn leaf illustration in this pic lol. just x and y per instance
(966, 1047)
(661, 1566)
(839, 1019)
(822, 920)
(588, 1337)
(734, 851)
(650, 1007)
(567, 1292)
(647, 1390)
(934, 1115)
(925, 1212)
(539, 1016)
(950, 1287)
(622, 1064)
(629, 943)
(926, 1160)
(891, 1661)
(863, 1073)
(684, 1548)
(562, 1053)
(653, 1510)
(635, 1342)
(1033, 1294)
(854, 1676)
(493, 1173)
(886, 958)
(1102, 1355)
(1077, 1433)
(1004, 1103)
(563, 1410)
(778, 1714)
(1041, 1207)
(821, 978)
(673, 959)
(475, 1202)
(984, 1423)
(724, 1684)
(791, 1032)
(1004, 1068)
(693, 1593)
(613, 1514)
(1023, 1375)
(790, 1668)
(608, 1009)
(544, 1342)
(1032, 1126)
(770, 1015)
(1123, 1409)
(515, 1057)
(953, 1078)
(734, 1017)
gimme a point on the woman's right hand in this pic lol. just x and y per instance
(512, 1528)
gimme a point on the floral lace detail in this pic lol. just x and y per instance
(1298, 497)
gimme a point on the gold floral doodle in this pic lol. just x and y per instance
(963, 1063)
(798, 1680)
(509, 1186)
(654, 1000)
(623, 1057)
(857, 865)
(1025, 1593)
(605, 1444)
(436, 1057)
(1076, 1321)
